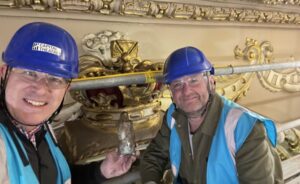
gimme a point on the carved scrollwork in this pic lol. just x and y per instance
(289, 143)
(99, 45)
(233, 87)
(254, 52)
(292, 137)
(273, 80)
(236, 86)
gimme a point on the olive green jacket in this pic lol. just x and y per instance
(256, 161)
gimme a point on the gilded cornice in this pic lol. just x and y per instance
(198, 11)
(282, 2)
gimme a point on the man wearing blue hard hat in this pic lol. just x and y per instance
(206, 138)
(40, 61)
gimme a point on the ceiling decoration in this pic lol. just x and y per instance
(267, 12)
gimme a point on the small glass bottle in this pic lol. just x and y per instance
(126, 135)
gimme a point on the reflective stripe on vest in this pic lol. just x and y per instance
(20, 174)
(230, 125)
(3, 162)
(234, 126)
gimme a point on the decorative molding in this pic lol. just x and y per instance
(236, 86)
(282, 2)
(197, 11)
(262, 53)
(289, 143)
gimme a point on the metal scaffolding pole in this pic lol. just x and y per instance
(255, 68)
(116, 80)
(149, 77)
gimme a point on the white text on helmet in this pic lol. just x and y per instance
(43, 47)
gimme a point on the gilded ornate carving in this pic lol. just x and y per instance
(273, 80)
(292, 138)
(233, 87)
(98, 45)
(172, 10)
(282, 2)
(109, 53)
(288, 143)
(282, 153)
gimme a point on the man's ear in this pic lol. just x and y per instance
(68, 88)
(212, 83)
(3, 70)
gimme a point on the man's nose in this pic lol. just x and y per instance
(186, 89)
(42, 83)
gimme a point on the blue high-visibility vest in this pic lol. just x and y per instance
(221, 167)
(18, 173)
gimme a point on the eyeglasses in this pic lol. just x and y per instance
(191, 81)
(34, 76)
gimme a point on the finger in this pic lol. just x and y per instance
(137, 153)
(133, 159)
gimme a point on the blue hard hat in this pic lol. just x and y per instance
(45, 48)
(185, 61)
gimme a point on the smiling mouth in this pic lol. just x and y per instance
(35, 103)
(190, 99)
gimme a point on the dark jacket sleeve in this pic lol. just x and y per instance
(257, 161)
(155, 159)
(87, 174)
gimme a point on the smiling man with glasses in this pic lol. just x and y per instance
(206, 138)
(40, 61)
(32, 97)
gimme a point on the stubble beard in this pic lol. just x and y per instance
(200, 112)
